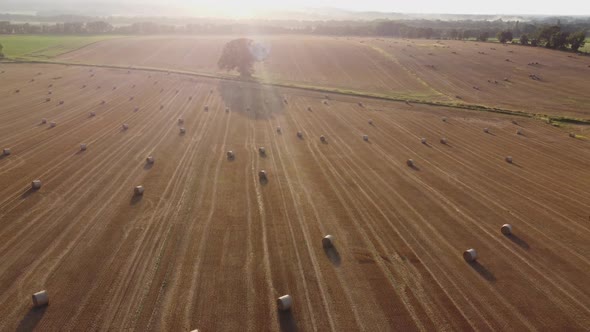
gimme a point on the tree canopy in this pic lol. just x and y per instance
(577, 40)
(237, 54)
(1, 54)
(504, 36)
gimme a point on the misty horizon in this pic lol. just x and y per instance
(291, 9)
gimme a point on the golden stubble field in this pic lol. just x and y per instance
(209, 246)
(488, 74)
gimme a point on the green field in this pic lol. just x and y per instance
(39, 47)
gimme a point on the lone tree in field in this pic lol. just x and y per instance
(504, 36)
(524, 39)
(1, 54)
(241, 54)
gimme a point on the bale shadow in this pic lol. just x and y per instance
(262, 101)
(483, 271)
(263, 181)
(31, 319)
(428, 145)
(135, 199)
(518, 241)
(28, 193)
(287, 322)
(148, 166)
(333, 255)
(80, 152)
(2, 156)
(490, 133)
(414, 167)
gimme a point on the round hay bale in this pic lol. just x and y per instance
(36, 184)
(49, 92)
(486, 130)
(40, 299)
(6, 151)
(279, 130)
(43, 121)
(61, 102)
(506, 229)
(519, 131)
(125, 126)
(444, 140)
(285, 302)
(299, 134)
(182, 130)
(47, 100)
(92, 114)
(230, 155)
(227, 110)
(136, 109)
(103, 102)
(323, 139)
(509, 159)
(328, 241)
(444, 119)
(572, 135)
(262, 175)
(370, 122)
(161, 106)
(138, 190)
(410, 162)
(181, 121)
(423, 140)
(262, 150)
(309, 109)
(366, 138)
(83, 147)
(470, 255)
(206, 108)
(52, 124)
(150, 160)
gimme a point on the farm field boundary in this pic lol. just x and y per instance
(551, 119)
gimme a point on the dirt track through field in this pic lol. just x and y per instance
(210, 246)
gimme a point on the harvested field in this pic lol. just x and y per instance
(450, 71)
(498, 75)
(209, 246)
(310, 61)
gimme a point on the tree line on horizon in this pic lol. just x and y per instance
(570, 35)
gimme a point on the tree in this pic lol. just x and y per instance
(483, 36)
(240, 54)
(1, 54)
(524, 39)
(576, 40)
(504, 36)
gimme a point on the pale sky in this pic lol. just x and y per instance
(246, 8)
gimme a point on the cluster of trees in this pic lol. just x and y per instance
(556, 38)
(96, 27)
(536, 33)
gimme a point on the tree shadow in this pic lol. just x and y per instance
(287, 321)
(483, 271)
(251, 99)
(518, 241)
(333, 255)
(31, 319)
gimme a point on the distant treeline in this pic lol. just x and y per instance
(557, 35)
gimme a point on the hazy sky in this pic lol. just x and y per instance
(244, 8)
